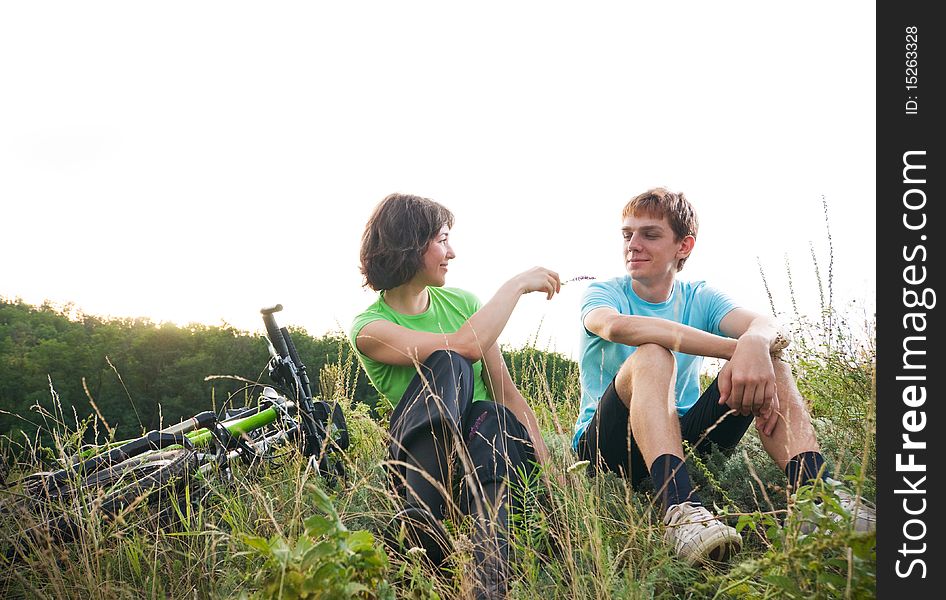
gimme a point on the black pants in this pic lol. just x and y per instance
(474, 452)
(609, 443)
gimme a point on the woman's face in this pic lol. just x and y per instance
(433, 270)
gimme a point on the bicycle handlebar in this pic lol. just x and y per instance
(272, 330)
(316, 417)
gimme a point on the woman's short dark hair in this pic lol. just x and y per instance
(396, 237)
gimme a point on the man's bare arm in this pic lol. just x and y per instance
(739, 323)
(633, 330)
(747, 382)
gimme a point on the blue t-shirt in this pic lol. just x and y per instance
(692, 303)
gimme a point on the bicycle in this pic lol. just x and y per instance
(112, 478)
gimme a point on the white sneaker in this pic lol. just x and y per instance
(863, 513)
(698, 536)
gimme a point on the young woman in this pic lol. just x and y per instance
(461, 433)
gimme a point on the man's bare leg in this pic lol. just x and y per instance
(649, 377)
(646, 385)
(794, 433)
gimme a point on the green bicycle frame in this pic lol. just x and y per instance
(198, 437)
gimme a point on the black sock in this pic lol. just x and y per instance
(805, 468)
(672, 481)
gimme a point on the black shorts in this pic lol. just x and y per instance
(609, 444)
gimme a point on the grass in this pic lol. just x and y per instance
(586, 538)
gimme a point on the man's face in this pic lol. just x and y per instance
(436, 257)
(651, 251)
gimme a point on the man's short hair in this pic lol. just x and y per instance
(396, 237)
(661, 202)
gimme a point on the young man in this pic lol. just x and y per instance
(645, 336)
(432, 351)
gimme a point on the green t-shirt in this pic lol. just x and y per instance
(449, 309)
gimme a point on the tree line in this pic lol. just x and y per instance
(58, 364)
(133, 373)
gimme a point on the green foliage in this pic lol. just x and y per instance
(133, 375)
(832, 562)
(835, 372)
(326, 561)
(552, 380)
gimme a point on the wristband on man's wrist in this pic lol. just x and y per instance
(780, 343)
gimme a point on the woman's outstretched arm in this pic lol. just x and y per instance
(393, 344)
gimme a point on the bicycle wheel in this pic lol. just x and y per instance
(148, 478)
(159, 473)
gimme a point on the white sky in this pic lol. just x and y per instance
(194, 161)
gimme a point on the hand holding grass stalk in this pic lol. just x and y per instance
(579, 278)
